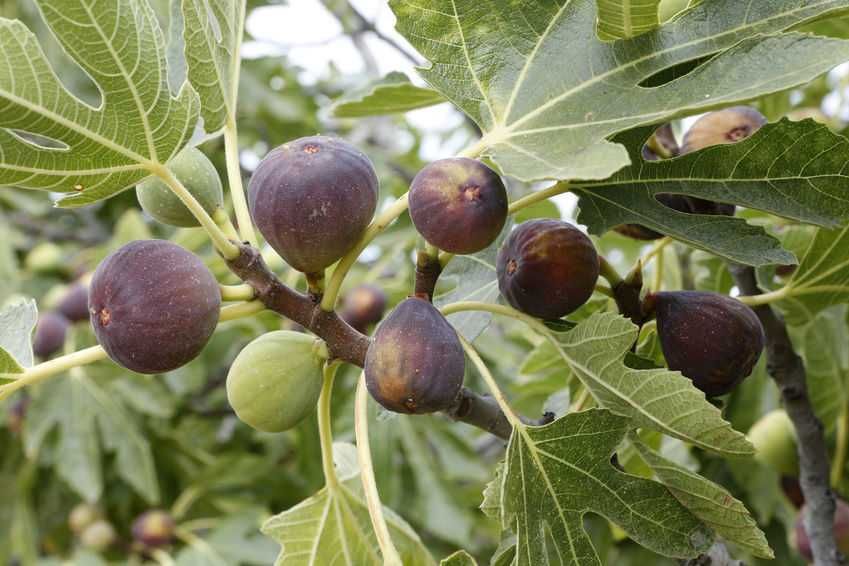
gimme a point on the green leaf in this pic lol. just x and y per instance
(557, 473)
(620, 19)
(496, 61)
(392, 94)
(710, 502)
(235, 540)
(212, 32)
(17, 322)
(459, 558)
(105, 150)
(659, 399)
(791, 169)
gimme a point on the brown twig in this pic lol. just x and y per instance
(788, 371)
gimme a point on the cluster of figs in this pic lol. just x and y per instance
(154, 305)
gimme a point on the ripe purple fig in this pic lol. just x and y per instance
(74, 305)
(415, 363)
(841, 531)
(713, 339)
(49, 334)
(547, 268)
(458, 205)
(363, 306)
(312, 198)
(153, 306)
(154, 528)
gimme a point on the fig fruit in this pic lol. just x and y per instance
(198, 175)
(50, 334)
(841, 531)
(275, 381)
(312, 198)
(153, 528)
(82, 516)
(363, 306)
(98, 536)
(415, 363)
(458, 205)
(774, 439)
(712, 339)
(729, 125)
(74, 304)
(547, 268)
(153, 306)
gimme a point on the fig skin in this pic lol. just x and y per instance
(841, 531)
(275, 381)
(458, 205)
(74, 304)
(154, 528)
(415, 364)
(363, 306)
(712, 339)
(311, 199)
(153, 306)
(198, 175)
(774, 439)
(547, 268)
(49, 334)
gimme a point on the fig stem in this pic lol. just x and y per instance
(489, 379)
(766, 298)
(375, 507)
(223, 220)
(48, 369)
(533, 198)
(604, 290)
(242, 292)
(241, 310)
(609, 272)
(428, 269)
(325, 429)
(225, 247)
(839, 463)
(378, 225)
(656, 249)
(234, 180)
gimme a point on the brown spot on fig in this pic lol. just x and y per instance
(415, 363)
(547, 268)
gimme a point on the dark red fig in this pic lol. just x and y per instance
(154, 528)
(153, 306)
(841, 531)
(458, 205)
(49, 334)
(415, 363)
(74, 305)
(363, 306)
(547, 268)
(312, 198)
(713, 339)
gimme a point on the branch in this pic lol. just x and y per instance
(788, 371)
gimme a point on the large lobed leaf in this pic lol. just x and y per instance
(547, 93)
(92, 153)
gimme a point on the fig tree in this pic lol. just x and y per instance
(153, 528)
(774, 439)
(363, 306)
(311, 199)
(49, 334)
(153, 306)
(415, 363)
(197, 173)
(547, 268)
(275, 381)
(841, 531)
(458, 205)
(712, 339)
(74, 304)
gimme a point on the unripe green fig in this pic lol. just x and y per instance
(363, 306)
(311, 199)
(49, 334)
(197, 173)
(458, 205)
(547, 268)
(774, 439)
(275, 381)
(98, 536)
(712, 339)
(154, 528)
(153, 306)
(415, 363)
(841, 531)
(82, 516)
(74, 304)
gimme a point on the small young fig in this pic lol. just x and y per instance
(312, 198)
(458, 205)
(98, 536)
(153, 528)
(415, 363)
(153, 306)
(774, 439)
(74, 304)
(49, 334)
(713, 339)
(840, 529)
(363, 306)
(275, 381)
(197, 173)
(82, 516)
(547, 268)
